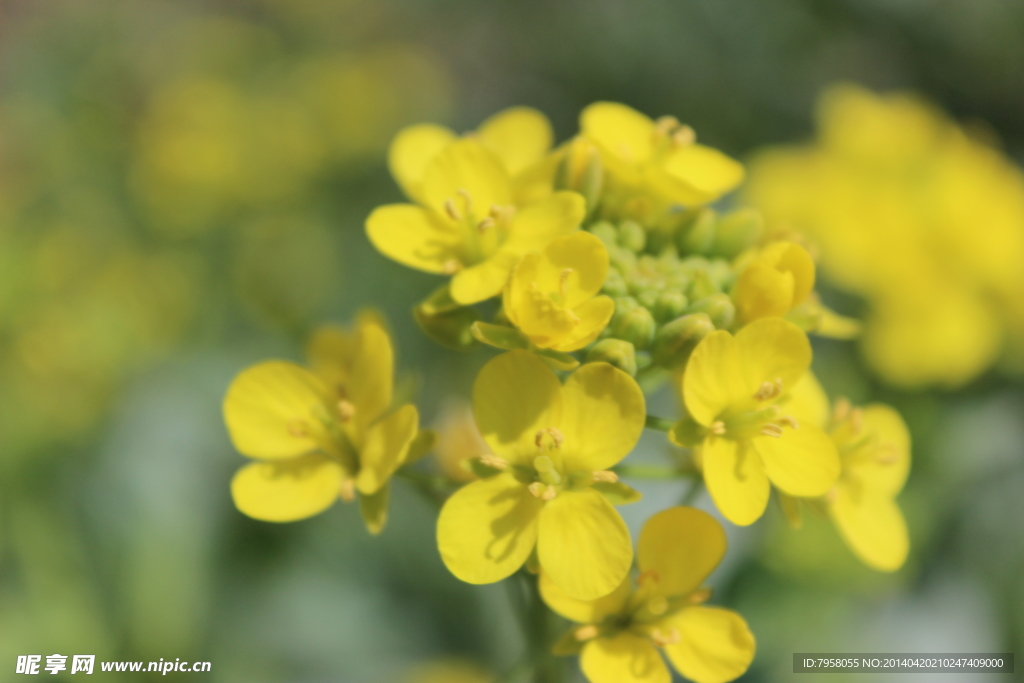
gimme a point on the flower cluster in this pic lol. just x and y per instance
(945, 292)
(600, 270)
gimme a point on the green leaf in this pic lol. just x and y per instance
(507, 338)
(617, 493)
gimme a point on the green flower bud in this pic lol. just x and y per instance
(623, 306)
(622, 259)
(617, 352)
(670, 305)
(451, 328)
(648, 298)
(718, 307)
(604, 231)
(721, 274)
(632, 236)
(702, 286)
(637, 326)
(697, 236)
(737, 231)
(614, 284)
(677, 340)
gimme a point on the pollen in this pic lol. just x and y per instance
(586, 632)
(788, 421)
(771, 429)
(769, 390)
(605, 476)
(661, 639)
(717, 428)
(549, 438)
(492, 460)
(346, 410)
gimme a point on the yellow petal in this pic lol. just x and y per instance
(532, 309)
(700, 173)
(873, 526)
(488, 528)
(736, 480)
(519, 136)
(886, 469)
(624, 135)
(593, 316)
(484, 280)
(771, 349)
(412, 150)
(682, 545)
(411, 236)
(469, 175)
(715, 644)
(583, 544)
(330, 351)
(625, 658)
(802, 462)
(535, 225)
(603, 417)
(575, 264)
(806, 401)
(287, 490)
(516, 395)
(584, 611)
(762, 291)
(273, 410)
(713, 380)
(373, 365)
(387, 442)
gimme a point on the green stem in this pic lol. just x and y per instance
(659, 423)
(654, 472)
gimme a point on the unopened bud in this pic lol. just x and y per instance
(697, 236)
(616, 352)
(614, 284)
(451, 328)
(677, 340)
(637, 327)
(632, 236)
(737, 231)
(606, 232)
(648, 298)
(670, 305)
(718, 307)
(622, 259)
(623, 306)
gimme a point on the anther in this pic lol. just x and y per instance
(449, 208)
(549, 493)
(717, 428)
(771, 429)
(346, 410)
(665, 125)
(492, 460)
(662, 639)
(684, 136)
(467, 198)
(451, 266)
(298, 428)
(536, 489)
(769, 390)
(699, 597)
(787, 421)
(605, 475)
(586, 632)
(486, 224)
(549, 438)
(347, 490)
(649, 577)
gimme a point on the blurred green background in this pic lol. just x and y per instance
(182, 191)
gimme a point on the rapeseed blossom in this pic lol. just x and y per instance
(775, 280)
(552, 447)
(918, 216)
(620, 635)
(732, 388)
(322, 432)
(552, 295)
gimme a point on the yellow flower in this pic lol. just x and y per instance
(457, 440)
(520, 137)
(874, 447)
(467, 224)
(623, 632)
(661, 154)
(777, 279)
(320, 433)
(553, 445)
(731, 388)
(551, 296)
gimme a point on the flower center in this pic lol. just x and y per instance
(483, 230)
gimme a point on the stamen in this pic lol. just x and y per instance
(787, 421)
(841, 409)
(665, 125)
(649, 577)
(657, 606)
(451, 266)
(563, 281)
(699, 597)
(298, 428)
(549, 493)
(549, 438)
(586, 632)
(605, 475)
(771, 429)
(346, 410)
(536, 489)
(449, 208)
(662, 639)
(769, 390)
(486, 224)
(717, 428)
(348, 489)
(684, 136)
(492, 460)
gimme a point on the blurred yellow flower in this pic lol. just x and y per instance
(622, 633)
(917, 216)
(552, 447)
(731, 389)
(552, 295)
(447, 671)
(320, 433)
(467, 224)
(457, 440)
(662, 155)
(874, 448)
(520, 137)
(776, 279)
